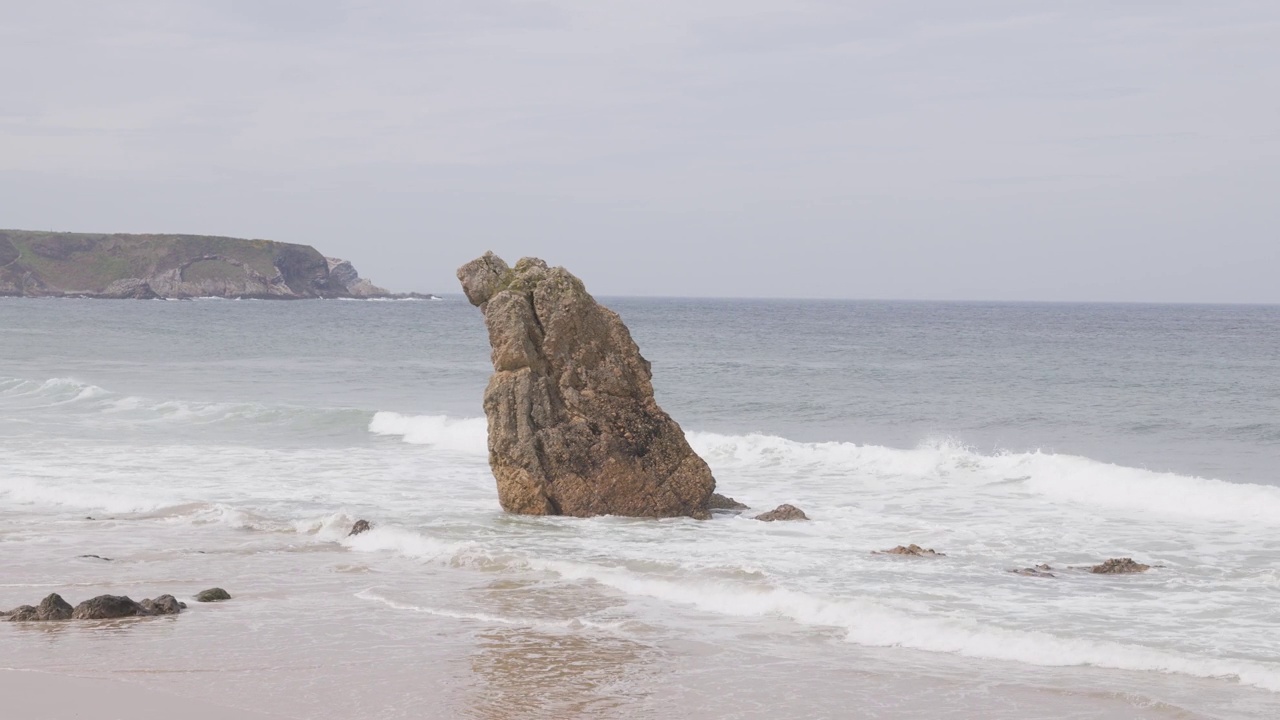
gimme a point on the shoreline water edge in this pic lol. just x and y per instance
(159, 467)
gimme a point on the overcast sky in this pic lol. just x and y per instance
(933, 149)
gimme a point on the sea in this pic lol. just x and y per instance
(224, 443)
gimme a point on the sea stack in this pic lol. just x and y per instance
(573, 425)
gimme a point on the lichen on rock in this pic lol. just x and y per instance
(573, 425)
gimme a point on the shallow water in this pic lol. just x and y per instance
(233, 443)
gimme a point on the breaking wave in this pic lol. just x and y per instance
(84, 399)
(867, 622)
(489, 618)
(466, 435)
(1068, 478)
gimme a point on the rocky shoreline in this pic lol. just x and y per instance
(106, 607)
(175, 267)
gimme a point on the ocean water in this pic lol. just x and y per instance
(233, 444)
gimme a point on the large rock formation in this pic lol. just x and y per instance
(47, 264)
(573, 426)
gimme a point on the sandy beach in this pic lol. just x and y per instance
(47, 696)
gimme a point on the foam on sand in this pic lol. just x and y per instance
(867, 622)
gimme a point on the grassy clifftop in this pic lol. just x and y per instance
(178, 266)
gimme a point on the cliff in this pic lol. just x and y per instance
(47, 264)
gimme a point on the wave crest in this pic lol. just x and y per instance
(465, 435)
(867, 622)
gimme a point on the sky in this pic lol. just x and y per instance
(1117, 150)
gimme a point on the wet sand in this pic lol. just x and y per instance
(47, 696)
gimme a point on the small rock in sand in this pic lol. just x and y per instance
(783, 512)
(212, 595)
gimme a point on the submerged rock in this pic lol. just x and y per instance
(22, 613)
(162, 605)
(1041, 570)
(573, 425)
(360, 526)
(103, 607)
(53, 607)
(783, 512)
(212, 595)
(1119, 566)
(106, 607)
(724, 502)
(96, 557)
(912, 549)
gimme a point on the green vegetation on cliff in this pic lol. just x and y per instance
(39, 264)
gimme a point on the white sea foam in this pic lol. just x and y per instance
(867, 622)
(59, 390)
(408, 299)
(332, 527)
(114, 408)
(465, 435)
(1080, 480)
(489, 618)
(77, 495)
(405, 542)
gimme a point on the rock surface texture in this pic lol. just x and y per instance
(52, 607)
(912, 550)
(573, 425)
(163, 605)
(724, 502)
(1119, 566)
(106, 607)
(103, 607)
(1042, 570)
(213, 595)
(783, 512)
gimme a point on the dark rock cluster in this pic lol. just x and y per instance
(102, 607)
